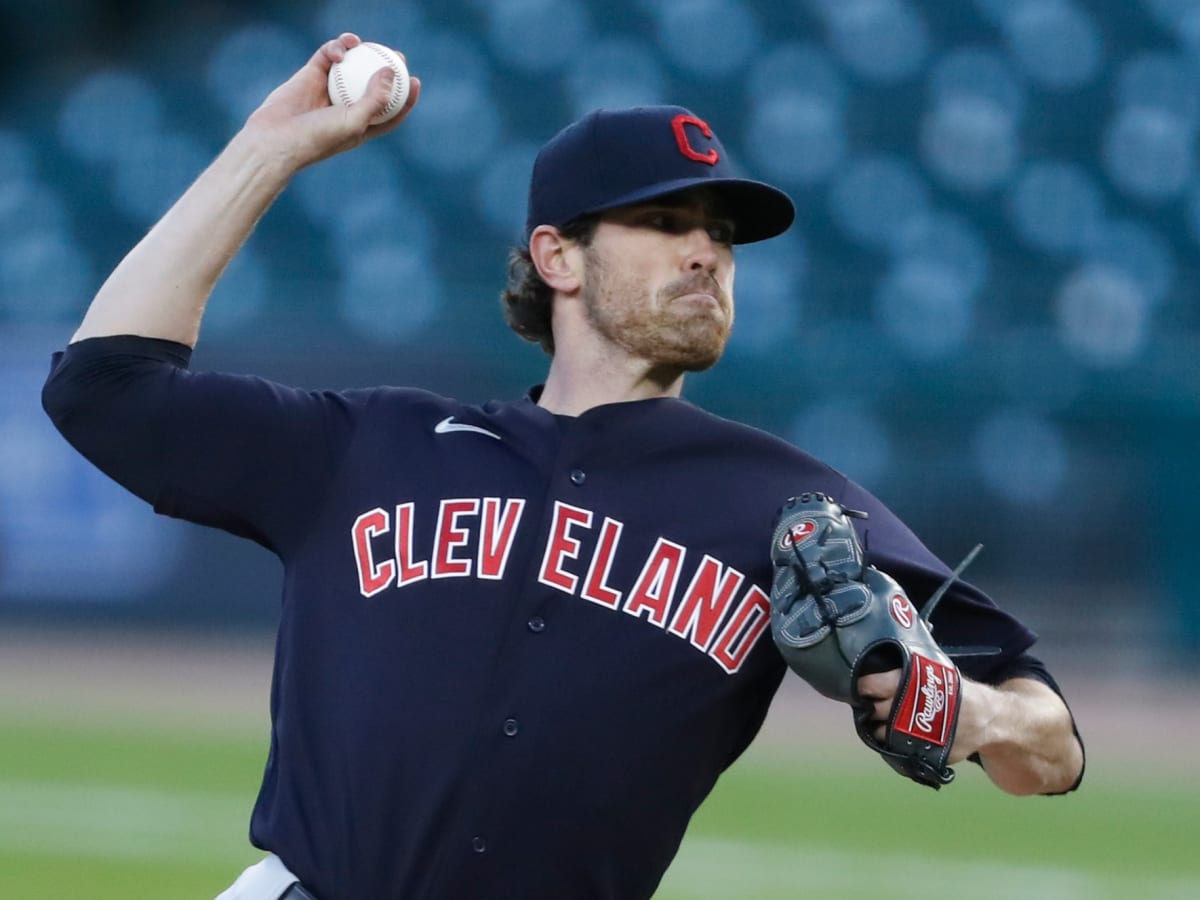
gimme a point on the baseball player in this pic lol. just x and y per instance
(520, 641)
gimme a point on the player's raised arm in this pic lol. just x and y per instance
(161, 287)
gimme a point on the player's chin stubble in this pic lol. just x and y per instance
(686, 335)
(700, 331)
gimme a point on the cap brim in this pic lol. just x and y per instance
(758, 210)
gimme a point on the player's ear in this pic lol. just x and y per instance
(557, 259)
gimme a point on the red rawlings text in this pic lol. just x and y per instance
(930, 701)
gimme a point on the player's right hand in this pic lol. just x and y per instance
(298, 122)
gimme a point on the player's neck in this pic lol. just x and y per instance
(573, 389)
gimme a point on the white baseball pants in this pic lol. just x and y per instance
(265, 880)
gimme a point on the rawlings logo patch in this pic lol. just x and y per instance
(797, 534)
(927, 709)
(902, 610)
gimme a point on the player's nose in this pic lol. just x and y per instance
(701, 252)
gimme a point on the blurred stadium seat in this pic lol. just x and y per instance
(999, 224)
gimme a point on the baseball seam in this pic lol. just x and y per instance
(399, 86)
(339, 84)
(401, 80)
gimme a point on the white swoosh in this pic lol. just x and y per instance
(448, 425)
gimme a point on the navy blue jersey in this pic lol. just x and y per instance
(516, 649)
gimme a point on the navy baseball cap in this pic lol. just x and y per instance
(615, 157)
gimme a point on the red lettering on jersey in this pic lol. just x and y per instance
(410, 570)
(594, 586)
(685, 147)
(561, 546)
(705, 602)
(710, 598)
(744, 629)
(372, 578)
(496, 535)
(655, 587)
(450, 535)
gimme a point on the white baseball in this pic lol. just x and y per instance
(348, 78)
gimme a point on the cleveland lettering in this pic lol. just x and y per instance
(707, 603)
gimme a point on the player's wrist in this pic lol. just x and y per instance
(980, 725)
(258, 159)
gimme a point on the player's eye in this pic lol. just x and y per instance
(667, 222)
(671, 222)
(721, 232)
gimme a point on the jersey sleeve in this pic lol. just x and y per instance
(235, 452)
(966, 617)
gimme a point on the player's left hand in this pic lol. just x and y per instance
(881, 689)
(837, 620)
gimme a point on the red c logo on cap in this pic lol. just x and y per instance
(678, 123)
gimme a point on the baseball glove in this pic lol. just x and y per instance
(835, 618)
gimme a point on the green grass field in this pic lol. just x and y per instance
(89, 812)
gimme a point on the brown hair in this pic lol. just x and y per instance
(527, 299)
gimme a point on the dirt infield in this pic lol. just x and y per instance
(222, 683)
(198, 681)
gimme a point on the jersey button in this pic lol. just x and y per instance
(478, 844)
(511, 728)
(578, 476)
(537, 624)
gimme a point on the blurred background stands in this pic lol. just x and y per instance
(985, 313)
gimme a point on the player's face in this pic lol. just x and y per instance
(658, 282)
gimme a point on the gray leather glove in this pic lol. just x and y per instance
(835, 619)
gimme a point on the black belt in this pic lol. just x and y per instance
(296, 892)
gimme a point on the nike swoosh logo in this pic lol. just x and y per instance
(448, 425)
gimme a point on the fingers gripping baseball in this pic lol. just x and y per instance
(389, 94)
(355, 81)
(306, 125)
